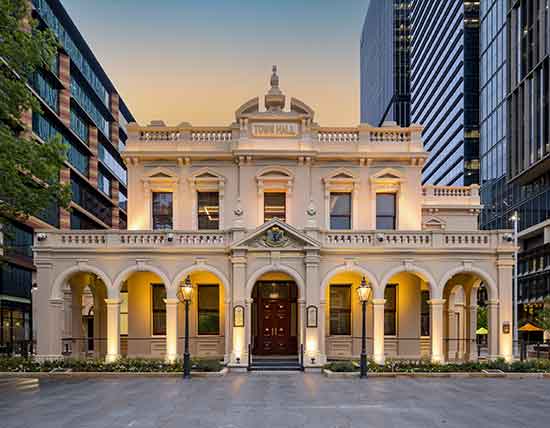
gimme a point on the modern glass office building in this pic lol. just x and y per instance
(445, 88)
(79, 103)
(385, 63)
(515, 145)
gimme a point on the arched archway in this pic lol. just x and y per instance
(275, 311)
(138, 267)
(139, 313)
(181, 275)
(412, 313)
(300, 283)
(371, 278)
(209, 310)
(461, 327)
(61, 280)
(83, 329)
(341, 317)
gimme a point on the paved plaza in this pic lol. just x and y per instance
(272, 400)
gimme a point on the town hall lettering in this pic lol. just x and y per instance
(275, 130)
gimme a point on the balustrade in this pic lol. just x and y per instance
(346, 239)
(338, 136)
(387, 136)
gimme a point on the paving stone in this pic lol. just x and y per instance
(274, 401)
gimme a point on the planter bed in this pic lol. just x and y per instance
(123, 366)
(68, 374)
(457, 375)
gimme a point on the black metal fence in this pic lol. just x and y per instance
(20, 348)
(534, 349)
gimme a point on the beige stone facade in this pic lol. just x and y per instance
(432, 256)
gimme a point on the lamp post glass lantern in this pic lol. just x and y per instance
(185, 293)
(364, 291)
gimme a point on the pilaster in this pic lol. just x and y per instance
(171, 329)
(436, 308)
(378, 330)
(113, 330)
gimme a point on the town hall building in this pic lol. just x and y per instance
(275, 221)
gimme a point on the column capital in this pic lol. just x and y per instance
(505, 262)
(493, 302)
(436, 302)
(249, 300)
(56, 302)
(378, 301)
(113, 301)
(171, 301)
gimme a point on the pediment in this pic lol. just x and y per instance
(387, 175)
(160, 174)
(434, 223)
(340, 174)
(276, 235)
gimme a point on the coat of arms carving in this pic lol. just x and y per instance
(275, 237)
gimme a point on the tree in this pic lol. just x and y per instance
(482, 317)
(29, 171)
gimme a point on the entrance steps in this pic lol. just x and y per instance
(275, 363)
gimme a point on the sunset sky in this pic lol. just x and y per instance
(197, 61)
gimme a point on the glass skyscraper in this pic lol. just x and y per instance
(445, 88)
(385, 63)
(515, 140)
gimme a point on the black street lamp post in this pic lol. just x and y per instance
(184, 295)
(364, 291)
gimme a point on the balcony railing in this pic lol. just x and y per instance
(420, 240)
(365, 240)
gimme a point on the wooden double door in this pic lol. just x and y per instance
(275, 319)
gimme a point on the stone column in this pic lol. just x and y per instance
(492, 315)
(248, 323)
(436, 307)
(53, 350)
(240, 340)
(69, 345)
(48, 313)
(302, 323)
(228, 330)
(472, 336)
(171, 329)
(378, 330)
(76, 322)
(113, 329)
(314, 340)
(322, 322)
(505, 292)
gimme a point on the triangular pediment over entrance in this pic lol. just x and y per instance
(276, 235)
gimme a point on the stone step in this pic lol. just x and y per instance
(268, 368)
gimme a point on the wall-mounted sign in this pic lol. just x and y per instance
(311, 316)
(238, 316)
(506, 327)
(275, 129)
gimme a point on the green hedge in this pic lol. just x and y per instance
(123, 365)
(422, 366)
